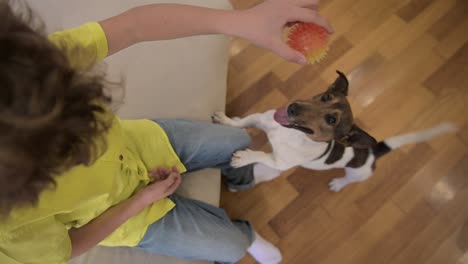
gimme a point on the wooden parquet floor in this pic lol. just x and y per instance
(407, 61)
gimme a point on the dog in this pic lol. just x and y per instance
(320, 134)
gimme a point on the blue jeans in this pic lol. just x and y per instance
(194, 229)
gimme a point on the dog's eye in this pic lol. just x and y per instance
(326, 98)
(330, 119)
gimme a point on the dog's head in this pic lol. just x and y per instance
(326, 116)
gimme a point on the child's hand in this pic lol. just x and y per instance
(263, 24)
(165, 183)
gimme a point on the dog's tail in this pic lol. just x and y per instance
(384, 147)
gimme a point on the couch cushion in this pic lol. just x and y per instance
(202, 185)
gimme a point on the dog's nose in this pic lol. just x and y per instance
(293, 109)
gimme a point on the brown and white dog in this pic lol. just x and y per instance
(319, 134)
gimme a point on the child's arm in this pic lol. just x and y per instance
(262, 24)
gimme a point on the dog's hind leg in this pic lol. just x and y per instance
(248, 121)
(352, 175)
(263, 173)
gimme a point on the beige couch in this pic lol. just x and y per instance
(183, 78)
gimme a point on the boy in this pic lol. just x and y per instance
(72, 175)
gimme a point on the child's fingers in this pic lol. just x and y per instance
(175, 184)
(288, 53)
(159, 173)
(162, 170)
(166, 184)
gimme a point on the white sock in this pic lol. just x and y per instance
(264, 252)
(264, 173)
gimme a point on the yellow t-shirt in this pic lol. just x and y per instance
(40, 234)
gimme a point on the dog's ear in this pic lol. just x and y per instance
(358, 138)
(340, 85)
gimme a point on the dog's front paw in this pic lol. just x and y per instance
(337, 184)
(242, 158)
(220, 118)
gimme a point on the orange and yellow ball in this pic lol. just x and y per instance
(309, 39)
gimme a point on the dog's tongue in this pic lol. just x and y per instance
(281, 116)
